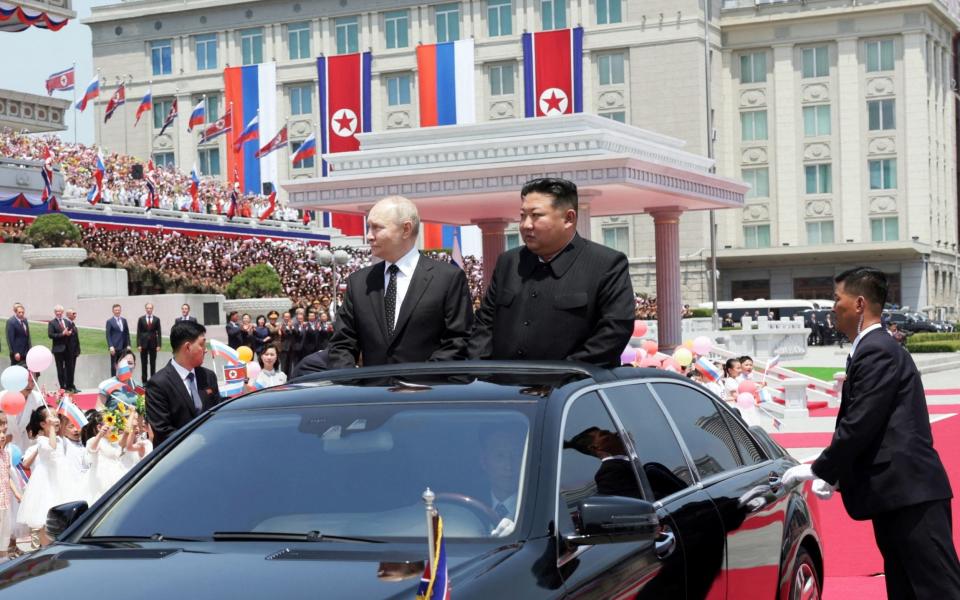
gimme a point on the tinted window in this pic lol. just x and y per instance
(703, 430)
(594, 459)
(749, 451)
(659, 452)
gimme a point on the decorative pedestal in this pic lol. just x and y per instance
(53, 258)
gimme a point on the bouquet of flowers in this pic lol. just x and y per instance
(116, 420)
(141, 405)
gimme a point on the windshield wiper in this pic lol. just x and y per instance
(310, 536)
(157, 537)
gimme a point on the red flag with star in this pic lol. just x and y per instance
(553, 72)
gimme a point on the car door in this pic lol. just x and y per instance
(608, 570)
(696, 568)
(743, 484)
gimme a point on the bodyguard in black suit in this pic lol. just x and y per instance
(407, 308)
(185, 315)
(118, 336)
(18, 335)
(183, 388)
(149, 340)
(881, 457)
(558, 297)
(60, 330)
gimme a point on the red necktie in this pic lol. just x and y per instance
(24, 323)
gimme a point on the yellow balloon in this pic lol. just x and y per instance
(246, 354)
(683, 357)
(688, 344)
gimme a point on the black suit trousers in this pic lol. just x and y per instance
(145, 355)
(61, 359)
(919, 558)
(70, 367)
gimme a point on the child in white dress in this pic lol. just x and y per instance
(138, 442)
(103, 456)
(73, 472)
(43, 490)
(8, 489)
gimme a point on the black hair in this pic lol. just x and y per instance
(583, 441)
(125, 353)
(230, 315)
(35, 425)
(257, 321)
(564, 192)
(89, 430)
(729, 365)
(865, 281)
(185, 332)
(743, 358)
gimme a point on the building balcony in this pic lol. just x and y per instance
(31, 112)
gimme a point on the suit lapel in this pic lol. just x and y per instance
(418, 285)
(180, 388)
(375, 293)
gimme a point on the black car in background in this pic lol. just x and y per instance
(912, 322)
(554, 480)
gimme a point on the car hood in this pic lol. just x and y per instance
(236, 570)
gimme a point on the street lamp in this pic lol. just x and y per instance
(333, 260)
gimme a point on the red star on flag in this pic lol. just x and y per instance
(553, 102)
(344, 122)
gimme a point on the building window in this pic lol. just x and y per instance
(251, 46)
(301, 99)
(213, 107)
(553, 14)
(820, 232)
(611, 68)
(513, 240)
(880, 56)
(162, 160)
(161, 56)
(206, 49)
(617, 238)
(883, 174)
(816, 120)
(882, 114)
(499, 20)
(885, 229)
(819, 179)
(161, 108)
(348, 35)
(209, 159)
(303, 164)
(620, 116)
(759, 180)
(756, 236)
(609, 11)
(298, 39)
(753, 67)
(397, 26)
(448, 22)
(501, 80)
(816, 62)
(753, 125)
(398, 90)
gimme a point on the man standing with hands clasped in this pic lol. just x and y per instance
(149, 340)
(881, 457)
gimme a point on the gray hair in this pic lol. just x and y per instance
(57, 307)
(403, 210)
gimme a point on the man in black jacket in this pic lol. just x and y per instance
(59, 330)
(558, 297)
(18, 335)
(881, 457)
(183, 388)
(73, 350)
(407, 308)
(149, 340)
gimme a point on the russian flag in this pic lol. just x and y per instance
(93, 91)
(198, 115)
(553, 72)
(72, 412)
(219, 349)
(345, 110)
(706, 368)
(124, 372)
(251, 92)
(307, 149)
(108, 387)
(145, 105)
(95, 194)
(250, 132)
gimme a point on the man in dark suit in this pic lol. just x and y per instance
(234, 331)
(288, 341)
(616, 476)
(118, 336)
(73, 349)
(183, 388)
(185, 315)
(558, 297)
(60, 330)
(18, 335)
(881, 457)
(407, 308)
(149, 340)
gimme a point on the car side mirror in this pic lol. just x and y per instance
(62, 516)
(613, 519)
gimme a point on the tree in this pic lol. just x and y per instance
(52, 231)
(257, 281)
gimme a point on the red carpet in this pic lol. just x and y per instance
(933, 409)
(944, 392)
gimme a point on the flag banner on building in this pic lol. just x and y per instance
(91, 93)
(345, 110)
(553, 72)
(18, 18)
(218, 128)
(118, 99)
(168, 121)
(61, 82)
(198, 115)
(145, 105)
(251, 89)
(278, 141)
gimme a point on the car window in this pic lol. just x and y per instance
(594, 460)
(348, 470)
(702, 428)
(750, 453)
(660, 454)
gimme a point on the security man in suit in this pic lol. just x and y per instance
(118, 336)
(559, 296)
(407, 308)
(18, 335)
(149, 340)
(185, 315)
(881, 457)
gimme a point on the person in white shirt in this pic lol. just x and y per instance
(270, 375)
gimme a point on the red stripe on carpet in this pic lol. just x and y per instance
(803, 440)
(943, 392)
(933, 409)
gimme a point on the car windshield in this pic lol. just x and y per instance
(355, 470)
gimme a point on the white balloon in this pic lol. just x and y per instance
(14, 378)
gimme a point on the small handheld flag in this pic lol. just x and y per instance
(46, 173)
(72, 411)
(307, 149)
(92, 92)
(706, 368)
(61, 82)
(108, 387)
(271, 206)
(434, 584)
(250, 133)
(457, 252)
(770, 364)
(194, 189)
(145, 105)
(168, 121)
(153, 200)
(278, 141)
(197, 115)
(220, 350)
(118, 99)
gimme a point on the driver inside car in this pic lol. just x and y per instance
(501, 451)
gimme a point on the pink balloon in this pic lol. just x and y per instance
(39, 358)
(650, 362)
(746, 400)
(253, 370)
(747, 387)
(670, 365)
(639, 329)
(650, 347)
(702, 345)
(12, 403)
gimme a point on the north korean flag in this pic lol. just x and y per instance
(118, 99)
(62, 81)
(345, 110)
(553, 72)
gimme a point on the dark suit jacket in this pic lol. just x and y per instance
(615, 477)
(73, 342)
(55, 332)
(289, 336)
(579, 306)
(18, 340)
(115, 337)
(189, 318)
(169, 405)
(234, 335)
(433, 324)
(149, 336)
(882, 450)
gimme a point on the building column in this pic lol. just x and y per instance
(913, 170)
(666, 224)
(788, 210)
(583, 219)
(848, 189)
(494, 243)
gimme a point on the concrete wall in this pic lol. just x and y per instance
(11, 258)
(94, 312)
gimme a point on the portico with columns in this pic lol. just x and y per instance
(472, 175)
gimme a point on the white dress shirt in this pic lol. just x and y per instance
(407, 265)
(186, 384)
(856, 341)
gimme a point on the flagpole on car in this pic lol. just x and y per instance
(428, 498)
